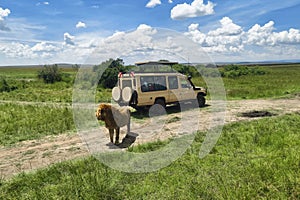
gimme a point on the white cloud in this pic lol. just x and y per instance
(43, 46)
(227, 38)
(26, 53)
(227, 28)
(144, 43)
(68, 39)
(122, 43)
(289, 37)
(153, 3)
(258, 35)
(231, 41)
(195, 34)
(195, 9)
(3, 14)
(265, 35)
(17, 50)
(227, 42)
(42, 3)
(82, 48)
(145, 27)
(80, 25)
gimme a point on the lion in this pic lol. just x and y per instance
(114, 118)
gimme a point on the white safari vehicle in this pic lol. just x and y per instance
(152, 84)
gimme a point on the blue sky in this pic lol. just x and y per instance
(40, 32)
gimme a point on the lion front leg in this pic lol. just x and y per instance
(111, 135)
(128, 127)
(117, 135)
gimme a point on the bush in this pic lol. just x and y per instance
(209, 70)
(228, 71)
(233, 71)
(50, 74)
(5, 87)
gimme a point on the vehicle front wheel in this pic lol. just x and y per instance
(201, 100)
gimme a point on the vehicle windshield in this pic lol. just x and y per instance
(185, 83)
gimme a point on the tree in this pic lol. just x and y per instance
(76, 67)
(50, 74)
(186, 69)
(118, 63)
(109, 71)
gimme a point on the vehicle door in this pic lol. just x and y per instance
(173, 89)
(186, 90)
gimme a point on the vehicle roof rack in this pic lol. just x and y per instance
(161, 62)
(161, 66)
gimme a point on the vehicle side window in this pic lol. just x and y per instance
(184, 83)
(173, 82)
(159, 83)
(145, 83)
(153, 83)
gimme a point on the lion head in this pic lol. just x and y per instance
(102, 111)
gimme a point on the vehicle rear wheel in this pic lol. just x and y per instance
(160, 102)
(159, 108)
(134, 99)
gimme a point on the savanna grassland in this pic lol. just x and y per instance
(259, 81)
(258, 159)
(252, 160)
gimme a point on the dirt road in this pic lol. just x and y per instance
(35, 154)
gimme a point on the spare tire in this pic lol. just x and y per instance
(126, 94)
(116, 94)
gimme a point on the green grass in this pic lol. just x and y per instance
(278, 81)
(19, 72)
(38, 91)
(30, 88)
(151, 146)
(252, 160)
(25, 122)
